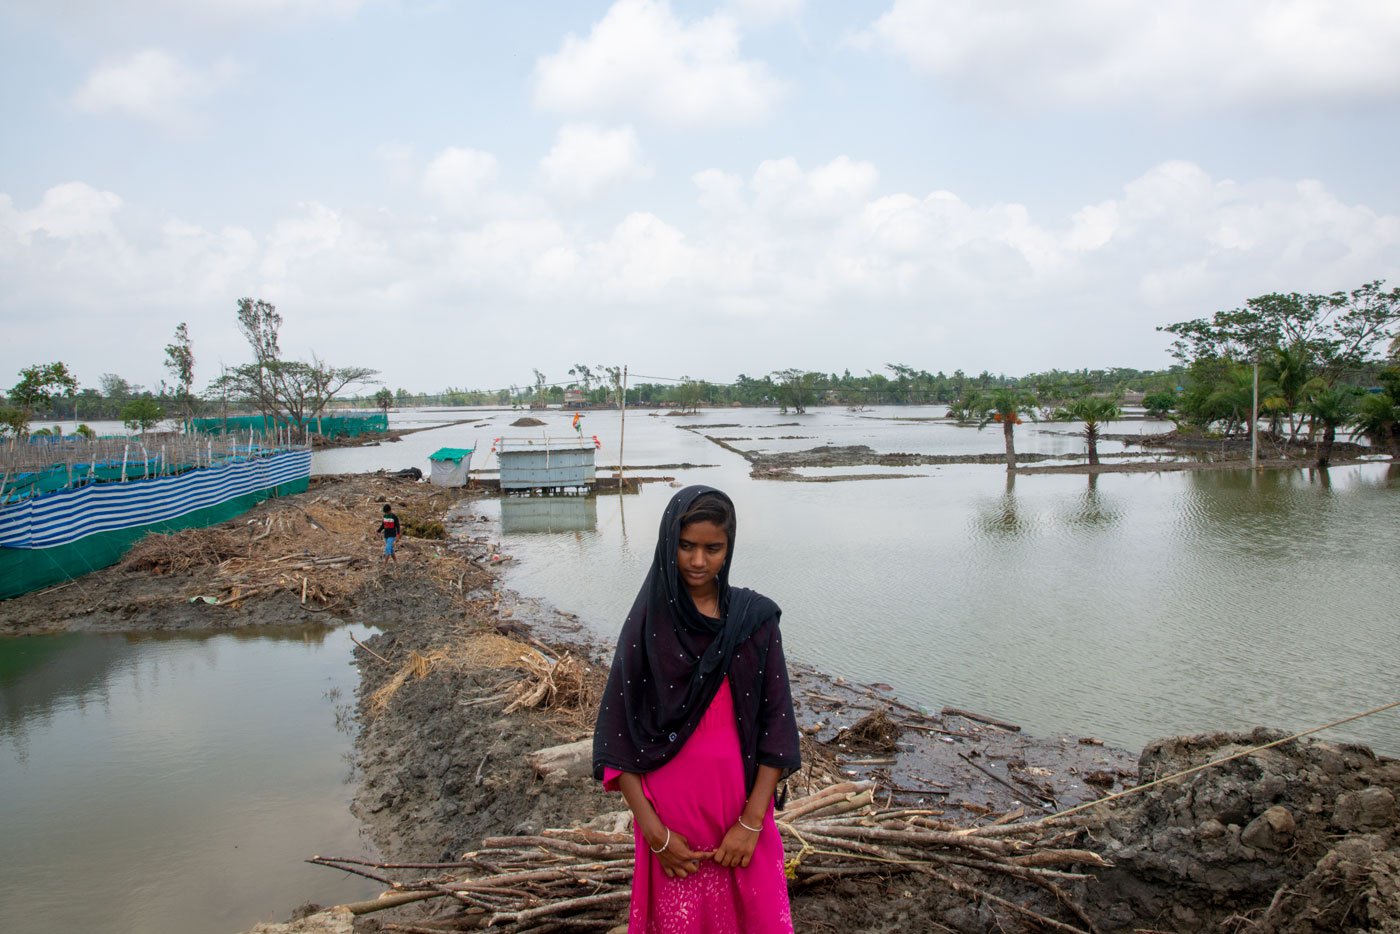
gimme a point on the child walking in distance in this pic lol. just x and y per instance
(389, 528)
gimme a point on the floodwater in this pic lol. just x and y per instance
(174, 782)
(1128, 607)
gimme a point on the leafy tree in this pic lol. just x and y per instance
(1093, 411)
(1159, 404)
(1330, 407)
(795, 388)
(1218, 390)
(584, 374)
(40, 385)
(12, 421)
(142, 415)
(384, 399)
(179, 360)
(85, 431)
(1006, 407)
(290, 392)
(1337, 331)
(689, 394)
(612, 377)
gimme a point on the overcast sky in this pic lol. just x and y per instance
(456, 192)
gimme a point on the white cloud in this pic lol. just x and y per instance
(151, 85)
(831, 190)
(1187, 54)
(585, 158)
(67, 211)
(764, 12)
(457, 177)
(640, 59)
(858, 273)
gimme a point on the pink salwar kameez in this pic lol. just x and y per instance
(699, 794)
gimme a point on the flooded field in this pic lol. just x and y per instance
(1127, 606)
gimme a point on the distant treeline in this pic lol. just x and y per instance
(902, 385)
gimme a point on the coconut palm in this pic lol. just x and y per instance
(1377, 419)
(1288, 372)
(1329, 408)
(1093, 412)
(1007, 407)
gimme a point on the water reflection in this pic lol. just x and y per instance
(1001, 517)
(194, 769)
(1094, 510)
(524, 515)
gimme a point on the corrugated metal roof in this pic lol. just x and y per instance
(450, 454)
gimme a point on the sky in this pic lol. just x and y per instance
(457, 193)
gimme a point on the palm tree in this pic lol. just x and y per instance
(1288, 370)
(1329, 408)
(1377, 419)
(1092, 411)
(1006, 406)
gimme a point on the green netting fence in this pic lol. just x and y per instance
(328, 426)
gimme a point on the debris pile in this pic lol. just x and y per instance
(323, 551)
(581, 877)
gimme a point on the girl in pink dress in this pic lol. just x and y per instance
(696, 729)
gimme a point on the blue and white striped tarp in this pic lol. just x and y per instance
(65, 516)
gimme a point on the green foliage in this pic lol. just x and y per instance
(384, 399)
(796, 389)
(1093, 411)
(40, 385)
(179, 360)
(1007, 407)
(142, 415)
(1159, 404)
(85, 431)
(1336, 332)
(1218, 390)
(12, 421)
(1002, 406)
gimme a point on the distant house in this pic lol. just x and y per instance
(573, 398)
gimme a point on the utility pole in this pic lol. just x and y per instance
(622, 431)
(1254, 421)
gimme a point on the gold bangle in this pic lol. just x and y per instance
(758, 829)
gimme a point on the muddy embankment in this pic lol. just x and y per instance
(1203, 454)
(901, 819)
